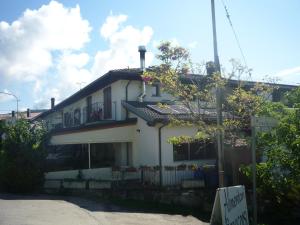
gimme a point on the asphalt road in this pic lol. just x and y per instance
(54, 210)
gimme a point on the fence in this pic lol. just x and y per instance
(145, 175)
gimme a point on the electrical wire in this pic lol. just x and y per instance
(235, 34)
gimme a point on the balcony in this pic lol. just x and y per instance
(94, 113)
(99, 111)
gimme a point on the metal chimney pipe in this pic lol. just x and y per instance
(28, 113)
(52, 103)
(142, 50)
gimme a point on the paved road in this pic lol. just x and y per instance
(50, 210)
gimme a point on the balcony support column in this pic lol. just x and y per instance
(89, 153)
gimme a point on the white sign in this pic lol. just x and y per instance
(230, 207)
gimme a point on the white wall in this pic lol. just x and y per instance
(145, 144)
(108, 135)
(167, 149)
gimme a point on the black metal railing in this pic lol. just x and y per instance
(95, 112)
(99, 111)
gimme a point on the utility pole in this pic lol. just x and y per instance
(218, 101)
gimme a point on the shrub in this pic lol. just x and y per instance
(22, 157)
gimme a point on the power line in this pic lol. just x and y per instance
(235, 34)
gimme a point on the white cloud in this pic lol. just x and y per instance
(27, 44)
(111, 25)
(289, 76)
(123, 45)
(291, 71)
(45, 49)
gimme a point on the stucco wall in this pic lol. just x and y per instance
(109, 135)
(145, 144)
(167, 148)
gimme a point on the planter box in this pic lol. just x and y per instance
(49, 184)
(193, 183)
(74, 184)
(99, 185)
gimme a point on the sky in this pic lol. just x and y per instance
(54, 48)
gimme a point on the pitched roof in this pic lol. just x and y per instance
(152, 114)
(127, 74)
(106, 79)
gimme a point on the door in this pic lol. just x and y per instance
(107, 103)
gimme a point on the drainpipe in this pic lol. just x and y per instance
(142, 50)
(160, 155)
(126, 97)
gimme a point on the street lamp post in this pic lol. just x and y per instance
(17, 100)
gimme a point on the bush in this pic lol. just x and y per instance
(22, 157)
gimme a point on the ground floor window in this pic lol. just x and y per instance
(76, 156)
(194, 151)
(67, 157)
(102, 155)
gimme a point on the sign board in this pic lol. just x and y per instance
(263, 123)
(230, 207)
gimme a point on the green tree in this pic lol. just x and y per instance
(293, 97)
(22, 156)
(278, 175)
(179, 77)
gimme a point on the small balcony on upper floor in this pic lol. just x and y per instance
(93, 113)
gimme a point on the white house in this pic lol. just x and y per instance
(114, 122)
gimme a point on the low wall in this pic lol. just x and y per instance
(95, 174)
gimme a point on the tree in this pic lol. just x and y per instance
(278, 175)
(22, 156)
(180, 78)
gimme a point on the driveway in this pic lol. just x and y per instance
(49, 210)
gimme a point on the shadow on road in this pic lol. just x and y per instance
(94, 204)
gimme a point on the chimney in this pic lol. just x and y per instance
(13, 114)
(28, 113)
(210, 68)
(142, 50)
(52, 103)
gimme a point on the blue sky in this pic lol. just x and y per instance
(52, 47)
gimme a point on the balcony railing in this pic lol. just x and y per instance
(90, 114)
(99, 111)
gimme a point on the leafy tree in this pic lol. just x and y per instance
(278, 175)
(178, 77)
(293, 97)
(22, 156)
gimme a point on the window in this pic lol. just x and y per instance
(77, 116)
(102, 155)
(67, 157)
(155, 90)
(194, 151)
(88, 108)
(107, 103)
(68, 119)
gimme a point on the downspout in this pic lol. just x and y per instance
(126, 97)
(160, 155)
(143, 94)
(142, 50)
